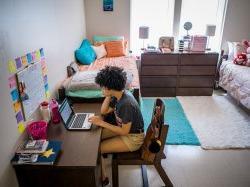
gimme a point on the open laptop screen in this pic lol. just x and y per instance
(65, 111)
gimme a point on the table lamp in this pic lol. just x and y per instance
(143, 34)
(210, 31)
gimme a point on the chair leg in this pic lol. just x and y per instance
(163, 156)
(163, 174)
(144, 175)
(115, 175)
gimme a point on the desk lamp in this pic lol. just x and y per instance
(210, 31)
(143, 34)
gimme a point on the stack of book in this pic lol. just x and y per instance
(37, 152)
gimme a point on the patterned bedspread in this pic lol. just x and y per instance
(126, 62)
(236, 80)
(84, 79)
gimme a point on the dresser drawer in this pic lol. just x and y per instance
(159, 59)
(196, 81)
(197, 70)
(194, 91)
(198, 59)
(158, 92)
(152, 82)
(159, 70)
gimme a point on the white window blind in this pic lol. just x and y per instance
(200, 13)
(157, 15)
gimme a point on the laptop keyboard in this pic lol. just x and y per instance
(79, 121)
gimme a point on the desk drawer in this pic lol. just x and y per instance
(197, 70)
(158, 92)
(159, 70)
(153, 82)
(159, 59)
(196, 81)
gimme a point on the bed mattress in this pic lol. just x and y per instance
(84, 90)
(235, 79)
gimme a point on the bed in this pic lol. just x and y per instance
(83, 92)
(235, 79)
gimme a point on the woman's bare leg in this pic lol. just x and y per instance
(112, 145)
(107, 134)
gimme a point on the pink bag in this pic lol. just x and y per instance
(37, 130)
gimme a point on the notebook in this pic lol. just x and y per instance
(54, 148)
(72, 120)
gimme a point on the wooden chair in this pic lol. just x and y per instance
(143, 156)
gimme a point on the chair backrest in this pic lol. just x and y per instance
(157, 130)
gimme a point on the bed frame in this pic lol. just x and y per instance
(62, 91)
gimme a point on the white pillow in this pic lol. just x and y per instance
(100, 51)
(230, 50)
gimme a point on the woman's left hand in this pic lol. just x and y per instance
(96, 120)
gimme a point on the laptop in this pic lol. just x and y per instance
(72, 120)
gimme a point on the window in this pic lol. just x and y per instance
(200, 13)
(157, 15)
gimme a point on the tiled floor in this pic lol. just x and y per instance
(191, 166)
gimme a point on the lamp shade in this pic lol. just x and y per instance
(210, 30)
(143, 32)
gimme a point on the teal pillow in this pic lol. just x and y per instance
(97, 38)
(85, 54)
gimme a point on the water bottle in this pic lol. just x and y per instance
(45, 111)
(54, 107)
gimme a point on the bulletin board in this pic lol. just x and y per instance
(28, 80)
(31, 88)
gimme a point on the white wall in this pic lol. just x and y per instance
(99, 22)
(27, 25)
(237, 23)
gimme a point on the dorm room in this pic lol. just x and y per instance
(177, 112)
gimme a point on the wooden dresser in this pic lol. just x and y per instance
(173, 74)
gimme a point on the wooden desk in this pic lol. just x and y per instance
(79, 161)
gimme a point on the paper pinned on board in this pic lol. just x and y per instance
(19, 117)
(18, 63)
(24, 60)
(33, 54)
(45, 79)
(47, 94)
(17, 106)
(11, 66)
(29, 58)
(41, 52)
(12, 81)
(21, 127)
(38, 56)
(14, 94)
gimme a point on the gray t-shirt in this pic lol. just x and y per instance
(127, 110)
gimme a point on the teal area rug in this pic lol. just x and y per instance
(180, 131)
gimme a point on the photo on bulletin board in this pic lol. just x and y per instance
(107, 5)
(31, 88)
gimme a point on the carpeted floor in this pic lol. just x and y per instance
(180, 131)
(217, 121)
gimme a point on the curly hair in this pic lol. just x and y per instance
(112, 77)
